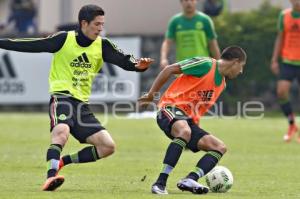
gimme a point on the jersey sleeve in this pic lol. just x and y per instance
(196, 66)
(112, 54)
(50, 44)
(280, 24)
(209, 28)
(170, 34)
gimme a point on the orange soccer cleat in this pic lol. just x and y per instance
(53, 183)
(291, 132)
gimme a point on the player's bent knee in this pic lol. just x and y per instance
(210, 142)
(185, 134)
(106, 150)
(282, 94)
(60, 134)
(222, 148)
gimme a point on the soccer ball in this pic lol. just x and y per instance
(219, 179)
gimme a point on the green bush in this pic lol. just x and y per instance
(255, 31)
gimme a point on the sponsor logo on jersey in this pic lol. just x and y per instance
(81, 61)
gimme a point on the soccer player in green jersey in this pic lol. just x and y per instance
(78, 57)
(193, 34)
(201, 81)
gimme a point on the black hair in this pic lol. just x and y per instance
(234, 52)
(89, 12)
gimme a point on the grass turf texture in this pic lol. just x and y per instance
(263, 165)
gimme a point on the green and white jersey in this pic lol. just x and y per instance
(74, 67)
(198, 67)
(191, 35)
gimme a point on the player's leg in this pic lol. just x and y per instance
(89, 130)
(287, 75)
(215, 148)
(60, 117)
(283, 90)
(298, 79)
(180, 133)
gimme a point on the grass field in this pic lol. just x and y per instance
(262, 165)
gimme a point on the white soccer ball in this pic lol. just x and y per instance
(219, 179)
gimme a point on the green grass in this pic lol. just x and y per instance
(263, 165)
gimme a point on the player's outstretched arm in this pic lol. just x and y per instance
(160, 80)
(49, 44)
(143, 63)
(112, 54)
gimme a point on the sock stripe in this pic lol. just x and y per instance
(74, 158)
(217, 155)
(283, 101)
(94, 152)
(54, 147)
(179, 142)
(53, 164)
(166, 169)
(199, 172)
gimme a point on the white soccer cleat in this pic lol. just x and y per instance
(159, 189)
(191, 185)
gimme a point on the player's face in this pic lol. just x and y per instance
(189, 6)
(295, 4)
(236, 69)
(93, 29)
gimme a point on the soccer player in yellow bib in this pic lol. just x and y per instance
(287, 47)
(78, 57)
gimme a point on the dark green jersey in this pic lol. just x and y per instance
(191, 35)
(198, 67)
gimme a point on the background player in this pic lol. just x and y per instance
(192, 32)
(287, 47)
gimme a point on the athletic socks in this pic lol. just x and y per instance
(205, 164)
(171, 158)
(287, 110)
(87, 154)
(53, 155)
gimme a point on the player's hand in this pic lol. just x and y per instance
(145, 100)
(144, 63)
(275, 67)
(163, 63)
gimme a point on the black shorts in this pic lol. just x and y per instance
(76, 114)
(289, 72)
(167, 116)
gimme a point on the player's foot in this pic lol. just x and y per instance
(53, 183)
(60, 166)
(291, 132)
(159, 189)
(191, 185)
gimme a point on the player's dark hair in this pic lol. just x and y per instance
(234, 52)
(89, 12)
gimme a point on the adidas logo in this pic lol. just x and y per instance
(81, 61)
(9, 83)
(9, 72)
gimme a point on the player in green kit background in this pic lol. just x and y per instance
(77, 58)
(193, 34)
